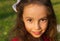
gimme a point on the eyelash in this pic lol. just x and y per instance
(29, 20)
(43, 20)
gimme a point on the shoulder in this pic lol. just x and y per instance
(15, 39)
(45, 38)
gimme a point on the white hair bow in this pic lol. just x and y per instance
(14, 5)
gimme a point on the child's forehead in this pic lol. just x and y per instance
(34, 9)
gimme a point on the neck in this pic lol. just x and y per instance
(31, 38)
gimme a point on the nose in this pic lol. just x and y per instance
(37, 26)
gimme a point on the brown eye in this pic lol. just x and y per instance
(29, 20)
(43, 20)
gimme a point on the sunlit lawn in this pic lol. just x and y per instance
(8, 16)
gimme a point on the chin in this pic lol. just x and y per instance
(37, 36)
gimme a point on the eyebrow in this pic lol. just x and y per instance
(28, 17)
(44, 17)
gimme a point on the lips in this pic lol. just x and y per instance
(37, 33)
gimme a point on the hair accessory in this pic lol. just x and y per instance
(14, 5)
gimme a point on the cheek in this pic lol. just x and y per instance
(44, 26)
(28, 27)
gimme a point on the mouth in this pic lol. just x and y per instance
(37, 33)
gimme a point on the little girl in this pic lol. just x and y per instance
(36, 21)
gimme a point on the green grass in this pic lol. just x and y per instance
(57, 11)
(8, 16)
(56, 6)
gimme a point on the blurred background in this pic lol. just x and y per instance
(8, 16)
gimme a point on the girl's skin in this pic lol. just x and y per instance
(35, 19)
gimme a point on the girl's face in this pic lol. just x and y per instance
(35, 19)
